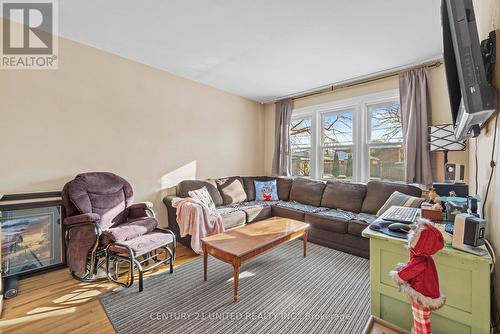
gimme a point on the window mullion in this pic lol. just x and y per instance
(316, 138)
(360, 142)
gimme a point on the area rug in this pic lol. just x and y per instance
(279, 292)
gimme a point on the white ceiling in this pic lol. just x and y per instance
(260, 49)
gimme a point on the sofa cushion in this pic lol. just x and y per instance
(378, 192)
(344, 242)
(284, 187)
(344, 196)
(357, 225)
(184, 187)
(231, 217)
(300, 206)
(280, 211)
(243, 205)
(248, 184)
(307, 191)
(400, 199)
(255, 210)
(256, 213)
(145, 243)
(328, 220)
(340, 221)
(231, 189)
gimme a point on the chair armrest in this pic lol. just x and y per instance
(83, 218)
(141, 209)
(172, 215)
(141, 205)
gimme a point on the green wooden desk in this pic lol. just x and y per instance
(464, 279)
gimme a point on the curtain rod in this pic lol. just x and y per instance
(360, 80)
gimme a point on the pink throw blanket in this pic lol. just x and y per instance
(195, 219)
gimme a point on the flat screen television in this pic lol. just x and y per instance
(472, 97)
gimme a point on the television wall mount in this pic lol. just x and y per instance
(488, 50)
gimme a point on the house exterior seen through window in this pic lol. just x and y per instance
(354, 140)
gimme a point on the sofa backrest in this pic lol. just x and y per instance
(307, 191)
(378, 192)
(184, 187)
(344, 196)
(284, 187)
(354, 197)
(249, 185)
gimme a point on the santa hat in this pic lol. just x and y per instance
(418, 279)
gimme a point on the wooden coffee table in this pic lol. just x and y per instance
(240, 245)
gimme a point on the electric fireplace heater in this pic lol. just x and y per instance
(32, 235)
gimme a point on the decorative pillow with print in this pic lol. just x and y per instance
(400, 199)
(203, 196)
(266, 190)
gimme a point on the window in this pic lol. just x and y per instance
(358, 139)
(337, 139)
(300, 146)
(385, 143)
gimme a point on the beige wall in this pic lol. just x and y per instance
(487, 20)
(101, 112)
(441, 114)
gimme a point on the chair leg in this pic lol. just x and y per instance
(141, 274)
(140, 281)
(171, 258)
(96, 265)
(136, 263)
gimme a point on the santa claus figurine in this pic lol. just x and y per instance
(418, 279)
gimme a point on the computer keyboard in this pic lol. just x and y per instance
(401, 214)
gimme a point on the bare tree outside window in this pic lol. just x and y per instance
(337, 145)
(300, 145)
(386, 124)
(354, 140)
(386, 142)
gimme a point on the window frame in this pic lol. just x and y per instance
(369, 144)
(311, 154)
(359, 106)
(335, 111)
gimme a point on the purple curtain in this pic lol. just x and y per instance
(281, 158)
(416, 116)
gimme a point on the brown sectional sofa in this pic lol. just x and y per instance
(337, 211)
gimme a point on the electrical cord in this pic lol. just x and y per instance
(492, 254)
(476, 170)
(492, 165)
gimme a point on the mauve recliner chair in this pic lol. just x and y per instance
(104, 226)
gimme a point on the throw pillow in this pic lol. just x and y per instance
(400, 199)
(232, 190)
(266, 190)
(203, 196)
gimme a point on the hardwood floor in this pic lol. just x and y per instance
(57, 303)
